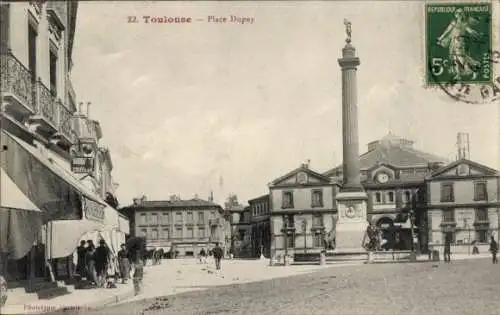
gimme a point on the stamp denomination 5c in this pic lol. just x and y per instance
(459, 50)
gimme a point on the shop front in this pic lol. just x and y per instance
(68, 211)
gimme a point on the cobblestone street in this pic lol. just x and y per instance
(463, 287)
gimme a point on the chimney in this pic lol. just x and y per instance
(80, 108)
(211, 198)
(144, 198)
(88, 109)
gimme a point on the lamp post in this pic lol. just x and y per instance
(304, 230)
(285, 230)
(412, 218)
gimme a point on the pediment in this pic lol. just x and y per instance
(463, 168)
(300, 176)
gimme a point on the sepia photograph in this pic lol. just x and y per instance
(250, 157)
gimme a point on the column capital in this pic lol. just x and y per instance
(347, 63)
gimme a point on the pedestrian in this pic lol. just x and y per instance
(447, 249)
(138, 272)
(80, 262)
(101, 257)
(203, 256)
(494, 249)
(90, 262)
(124, 263)
(218, 253)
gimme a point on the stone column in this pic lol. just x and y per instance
(352, 199)
(350, 143)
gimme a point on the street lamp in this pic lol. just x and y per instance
(304, 229)
(412, 218)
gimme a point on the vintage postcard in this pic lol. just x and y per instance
(249, 157)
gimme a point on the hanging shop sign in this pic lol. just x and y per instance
(82, 165)
(93, 210)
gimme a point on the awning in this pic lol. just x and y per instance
(63, 175)
(20, 219)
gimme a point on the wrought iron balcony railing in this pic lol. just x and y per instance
(65, 127)
(46, 105)
(16, 80)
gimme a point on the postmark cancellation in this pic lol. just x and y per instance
(461, 50)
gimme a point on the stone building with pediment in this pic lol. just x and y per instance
(406, 190)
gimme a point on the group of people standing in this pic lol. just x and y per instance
(100, 266)
(217, 253)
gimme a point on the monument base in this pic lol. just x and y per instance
(352, 222)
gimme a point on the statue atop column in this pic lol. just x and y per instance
(348, 30)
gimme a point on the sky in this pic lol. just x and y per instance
(190, 108)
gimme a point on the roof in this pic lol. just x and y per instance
(266, 196)
(195, 202)
(303, 168)
(395, 151)
(486, 170)
(236, 208)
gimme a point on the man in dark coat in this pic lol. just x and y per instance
(101, 262)
(447, 249)
(218, 253)
(494, 249)
(80, 263)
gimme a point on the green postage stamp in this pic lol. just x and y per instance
(459, 43)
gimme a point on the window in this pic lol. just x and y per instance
(178, 218)
(447, 194)
(390, 197)
(289, 221)
(407, 196)
(189, 218)
(317, 198)
(480, 191)
(482, 215)
(448, 216)
(166, 234)
(287, 200)
(165, 218)
(241, 234)
(153, 219)
(317, 240)
(142, 219)
(53, 72)
(290, 241)
(190, 233)
(201, 233)
(144, 233)
(154, 234)
(317, 220)
(201, 218)
(378, 197)
(178, 232)
(32, 41)
(482, 235)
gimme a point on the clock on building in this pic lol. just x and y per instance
(302, 178)
(382, 177)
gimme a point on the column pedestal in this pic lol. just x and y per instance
(352, 222)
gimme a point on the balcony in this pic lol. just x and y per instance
(16, 86)
(65, 134)
(45, 118)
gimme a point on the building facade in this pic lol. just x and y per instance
(176, 225)
(463, 205)
(393, 174)
(260, 225)
(241, 244)
(48, 155)
(302, 210)
(415, 195)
